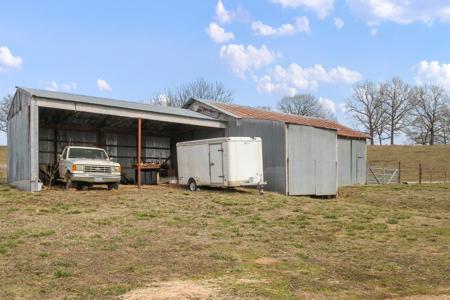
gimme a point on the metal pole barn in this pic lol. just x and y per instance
(139, 153)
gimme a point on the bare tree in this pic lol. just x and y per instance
(5, 104)
(304, 105)
(429, 106)
(396, 96)
(264, 107)
(417, 133)
(367, 107)
(199, 88)
(443, 136)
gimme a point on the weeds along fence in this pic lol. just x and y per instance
(400, 173)
(3, 173)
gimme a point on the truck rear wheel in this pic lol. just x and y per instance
(192, 185)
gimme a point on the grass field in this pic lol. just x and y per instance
(372, 242)
(3, 163)
(435, 160)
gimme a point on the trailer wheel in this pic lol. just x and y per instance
(192, 185)
(261, 190)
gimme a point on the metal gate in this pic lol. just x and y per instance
(378, 175)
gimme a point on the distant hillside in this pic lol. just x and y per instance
(435, 160)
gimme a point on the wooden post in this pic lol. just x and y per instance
(139, 153)
(420, 173)
(445, 176)
(399, 172)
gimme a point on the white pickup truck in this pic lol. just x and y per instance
(85, 166)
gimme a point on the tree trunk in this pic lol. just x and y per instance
(432, 137)
(392, 133)
(372, 142)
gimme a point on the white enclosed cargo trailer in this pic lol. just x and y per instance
(221, 162)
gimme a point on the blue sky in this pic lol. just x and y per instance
(261, 50)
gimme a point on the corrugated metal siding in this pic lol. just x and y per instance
(359, 156)
(351, 162)
(122, 148)
(272, 134)
(344, 162)
(19, 148)
(312, 156)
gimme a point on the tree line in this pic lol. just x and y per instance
(382, 109)
(386, 109)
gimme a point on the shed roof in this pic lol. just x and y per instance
(115, 103)
(246, 112)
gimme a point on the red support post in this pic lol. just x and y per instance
(139, 153)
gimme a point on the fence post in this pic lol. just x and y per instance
(399, 173)
(420, 173)
(445, 176)
(431, 176)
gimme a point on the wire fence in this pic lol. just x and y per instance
(400, 173)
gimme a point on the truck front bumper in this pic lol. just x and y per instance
(95, 178)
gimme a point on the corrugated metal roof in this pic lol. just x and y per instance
(115, 103)
(239, 111)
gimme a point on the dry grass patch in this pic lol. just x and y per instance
(372, 242)
(435, 160)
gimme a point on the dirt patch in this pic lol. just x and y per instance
(178, 290)
(266, 261)
(424, 297)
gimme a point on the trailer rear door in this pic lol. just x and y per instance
(216, 163)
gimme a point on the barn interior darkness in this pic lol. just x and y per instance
(118, 136)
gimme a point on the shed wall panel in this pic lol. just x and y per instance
(19, 155)
(359, 157)
(344, 162)
(312, 156)
(272, 134)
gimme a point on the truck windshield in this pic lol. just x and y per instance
(87, 153)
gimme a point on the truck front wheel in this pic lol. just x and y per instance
(68, 179)
(112, 186)
(192, 185)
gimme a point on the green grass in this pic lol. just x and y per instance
(371, 242)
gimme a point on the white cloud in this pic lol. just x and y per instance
(432, 72)
(60, 87)
(343, 107)
(301, 25)
(321, 7)
(222, 14)
(290, 80)
(338, 23)
(243, 59)
(8, 61)
(103, 86)
(218, 34)
(328, 105)
(401, 11)
(374, 31)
